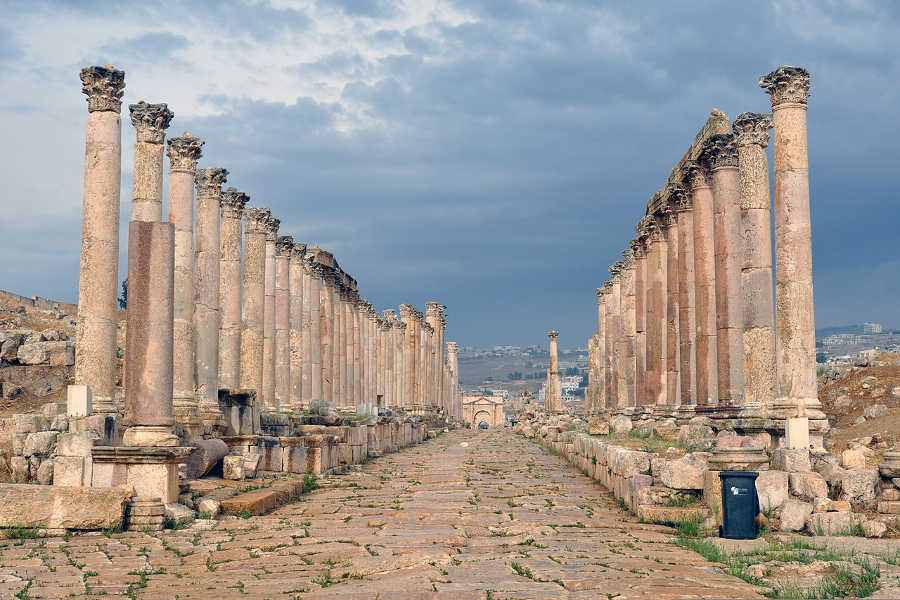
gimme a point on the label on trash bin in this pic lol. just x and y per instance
(739, 491)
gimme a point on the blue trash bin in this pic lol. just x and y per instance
(740, 505)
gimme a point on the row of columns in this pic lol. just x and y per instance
(689, 320)
(225, 302)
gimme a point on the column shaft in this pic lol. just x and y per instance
(297, 280)
(230, 252)
(657, 275)
(314, 277)
(284, 246)
(687, 322)
(269, 356)
(673, 385)
(253, 300)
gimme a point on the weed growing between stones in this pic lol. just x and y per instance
(310, 482)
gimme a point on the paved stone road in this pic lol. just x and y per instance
(468, 515)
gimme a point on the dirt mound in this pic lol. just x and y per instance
(853, 401)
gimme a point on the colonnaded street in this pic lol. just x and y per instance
(471, 514)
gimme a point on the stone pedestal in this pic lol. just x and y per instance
(98, 283)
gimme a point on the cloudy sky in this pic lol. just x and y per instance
(492, 155)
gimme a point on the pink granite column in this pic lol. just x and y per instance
(184, 152)
(720, 157)
(269, 355)
(206, 294)
(314, 277)
(253, 299)
(297, 277)
(751, 134)
(794, 314)
(230, 254)
(638, 247)
(657, 276)
(149, 324)
(327, 334)
(705, 285)
(687, 322)
(98, 283)
(284, 246)
(673, 374)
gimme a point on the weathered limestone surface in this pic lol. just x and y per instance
(296, 304)
(98, 282)
(268, 399)
(58, 507)
(253, 299)
(184, 152)
(151, 122)
(230, 252)
(284, 246)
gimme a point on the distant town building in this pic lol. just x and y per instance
(872, 328)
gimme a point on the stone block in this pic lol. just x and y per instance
(874, 529)
(772, 489)
(72, 471)
(294, 459)
(875, 411)
(794, 515)
(838, 506)
(33, 354)
(40, 442)
(598, 426)
(18, 443)
(79, 443)
(808, 486)
(79, 401)
(179, 513)
(233, 467)
(57, 507)
(51, 410)
(45, 472)
(29, 423)
(62, 353)
(685, 473)
(792, 461)
(621, 424)
(890, 507)
(209, 505)
(859, 487)
(796, 433)
(712, 494)
(833, 523)
(697, 437)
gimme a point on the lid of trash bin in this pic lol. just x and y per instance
(748, 474)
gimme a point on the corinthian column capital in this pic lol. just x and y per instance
(209, 181)
(233, 203)
(271, 228)
(298, 253)
(256, 218)
(786, 85)
(150, 121)
(553, 334)
(184, 152)
(284, 245)
(719, 151)
(104, 87)
(752, 128)
(695, 175)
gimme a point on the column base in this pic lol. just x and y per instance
(146, 514)
(785, 408)
(151, 470)
(150, 435)
(103, 404)
(188, 415)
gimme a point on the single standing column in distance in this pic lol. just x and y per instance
(230, 252)
(553, 391)
(184, 152)
(253, 299)
(269, 357)
(206, 294)
(751, 134)
(95, 356)
(794, 314)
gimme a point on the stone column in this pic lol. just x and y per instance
(361, 311)
(98, 283)
(657, 276)
(297, 278)
(360, 338)
(673, 385)
(230, 253)
(687, 322)
(410, 355)
(433, 318)
(719, 155)
(401, 363)
(600, 387)
(609, 399)
(705, 285)
(339, 354)
(618, 349)
(638, 247)
(150, 121)
(184, 152)
(629, 330)
(206, 294)
(149, 324)
(327, 334)
(751, 134)
(284, 247)
(553, 393)
(314, 275)
(453, 364)
(269, 355)
(794, 315)
(253, 299)
(386, 339)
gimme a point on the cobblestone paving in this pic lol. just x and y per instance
(472, 514)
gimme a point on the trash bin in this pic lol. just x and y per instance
(740, 505)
